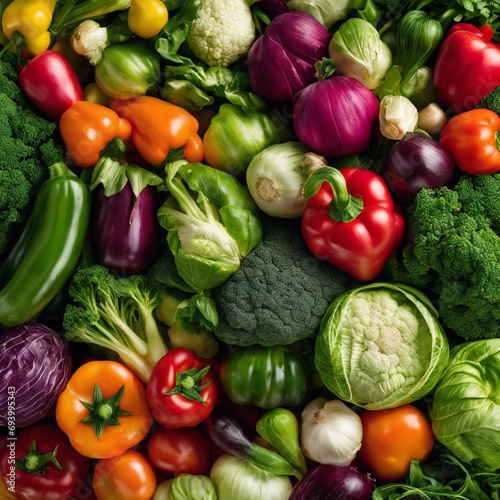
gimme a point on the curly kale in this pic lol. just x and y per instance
(280, 292)
(455, 251)
(26, 148)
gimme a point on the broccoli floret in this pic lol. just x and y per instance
(280, 293)
(491, 101)
(454, 250)
(117, 314)
(25, 146)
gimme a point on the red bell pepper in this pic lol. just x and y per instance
(45, 465)
(51, 83)
(467, 67)
(350, 220)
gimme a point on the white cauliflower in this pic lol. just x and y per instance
(222, 32)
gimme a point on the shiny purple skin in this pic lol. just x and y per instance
(417, 162)
(335, 117)
(274, 8)
(127, 230)
(328, 482)
(36, 363)
(281, 62)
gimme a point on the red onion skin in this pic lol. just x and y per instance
(274, 8)
(417, 162)
(327, 482)
(335, 117)
(281, 62)
(127, 230)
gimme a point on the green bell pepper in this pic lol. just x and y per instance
(48, 249)
(266, 377)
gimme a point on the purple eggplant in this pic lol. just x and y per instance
(127, 230)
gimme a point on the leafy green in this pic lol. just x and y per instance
(117, 314)
(453, 250)
(446, 478)
(280, 292)
(26, 147)
(208, 236)
(465, 410)
(197, 87)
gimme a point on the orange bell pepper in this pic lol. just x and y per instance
(86, 129)
(159, 126)
(473, 140)
(127, 477)
(103, 410)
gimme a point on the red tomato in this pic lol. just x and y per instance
(392, 439)
(179, 451)
(126, 477)
(190, 400)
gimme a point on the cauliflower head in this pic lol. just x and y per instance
(222, 32)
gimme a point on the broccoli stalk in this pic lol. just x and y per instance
(117, 314)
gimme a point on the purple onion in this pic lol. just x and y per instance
(127, 230)
(35, 366)
(335, 117)
(328, 482)
(417, 162)
(281, 62)
(274, 8)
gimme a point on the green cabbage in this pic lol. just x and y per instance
(381, 346)
(465, 411)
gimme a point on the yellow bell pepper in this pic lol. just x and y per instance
(146, 18)
(32, 19)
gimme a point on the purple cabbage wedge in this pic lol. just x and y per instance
(281, 62)
(335, 117)
(35, 366)
(127, 230)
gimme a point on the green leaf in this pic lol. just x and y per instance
(139, 178)
(111, 174)
(197, 313)
(186, 95)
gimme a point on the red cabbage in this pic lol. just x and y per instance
(335, 117)
(281, 62)
(36, 362)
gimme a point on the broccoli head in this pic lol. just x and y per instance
(116, 314)
(454, 250)
(26, 148)
(491, 101)
(280, 292)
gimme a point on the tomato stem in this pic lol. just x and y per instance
(187, 384)
(34, 462)
(104, 412)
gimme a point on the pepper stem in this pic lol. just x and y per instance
(102, 411)
(187, 384)
(343, 207)
(34, 462)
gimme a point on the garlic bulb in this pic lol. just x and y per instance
(432, 119)
(90, 40)
(398, 117)
(331, 432)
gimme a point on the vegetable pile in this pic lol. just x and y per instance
(249, 249)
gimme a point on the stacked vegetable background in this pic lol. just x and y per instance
(249, 250)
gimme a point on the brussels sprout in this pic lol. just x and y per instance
(381, 346)
(236, 135)
(465, 411)
(358, 52)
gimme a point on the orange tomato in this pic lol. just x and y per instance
(127, 477)
(115, 439)
(392, 439)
